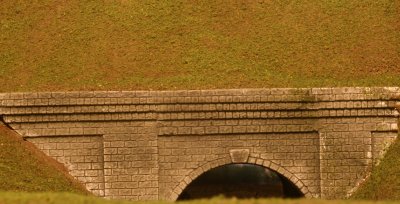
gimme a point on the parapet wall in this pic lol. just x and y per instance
(146, 145)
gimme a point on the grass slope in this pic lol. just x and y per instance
(384, 182)
(48, 45)
(177, 44)
(24, 168)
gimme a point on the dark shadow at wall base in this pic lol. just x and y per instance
(240, 181)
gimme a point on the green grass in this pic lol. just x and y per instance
(48, 45)
(68, 198)
(128, 45)
(24, 168)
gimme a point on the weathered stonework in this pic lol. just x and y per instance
(239, 155)
(149, 145)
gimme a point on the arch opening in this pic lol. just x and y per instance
(240, 181)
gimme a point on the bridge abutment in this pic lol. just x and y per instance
(149, 145)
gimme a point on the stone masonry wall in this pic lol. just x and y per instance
(295, 153)
(149, 145)
(83, 156)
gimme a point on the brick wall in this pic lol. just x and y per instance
(148, 145)
(295, 153)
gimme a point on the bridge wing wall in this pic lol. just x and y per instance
(146, 145)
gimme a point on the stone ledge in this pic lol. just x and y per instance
(310, 92)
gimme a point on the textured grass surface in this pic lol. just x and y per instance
(67, 198)
(24, 168)
(51, 45)
(125, 44)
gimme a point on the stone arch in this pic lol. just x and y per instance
(227, 160)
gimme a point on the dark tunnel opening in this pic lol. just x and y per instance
(240, 181)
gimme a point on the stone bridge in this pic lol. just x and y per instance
(149, 145)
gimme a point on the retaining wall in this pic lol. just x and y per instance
(148, 145)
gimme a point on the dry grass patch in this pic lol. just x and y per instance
(127, 45)
(25, 168)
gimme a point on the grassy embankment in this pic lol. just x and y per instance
(129, 45)
(24, 168)
(384, 182)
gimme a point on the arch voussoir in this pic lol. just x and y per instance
(251, 160)
(290, 176)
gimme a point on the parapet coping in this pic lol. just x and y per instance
(207, 92)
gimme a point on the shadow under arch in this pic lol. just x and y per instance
(207, 166)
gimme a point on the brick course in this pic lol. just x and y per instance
(82, 155)
(149, 145)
